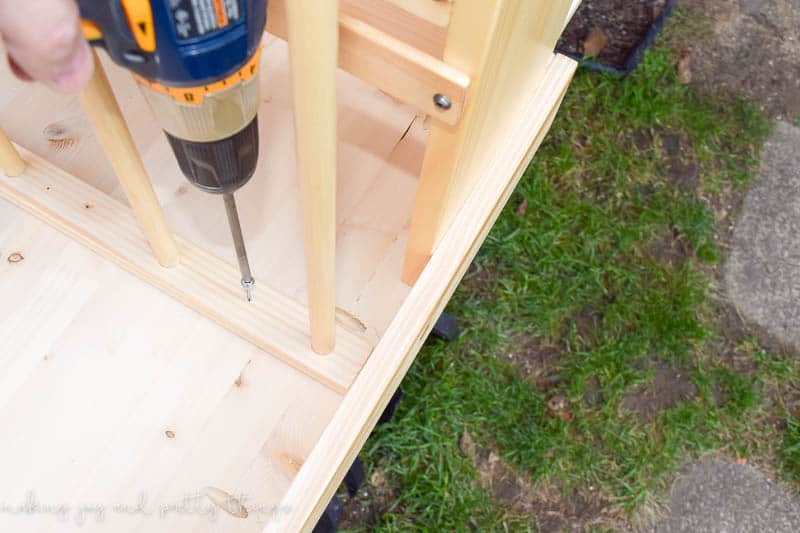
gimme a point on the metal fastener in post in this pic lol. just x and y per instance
(442, 101)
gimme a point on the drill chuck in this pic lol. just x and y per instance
(220, 166)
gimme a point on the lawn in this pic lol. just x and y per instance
(598, 355)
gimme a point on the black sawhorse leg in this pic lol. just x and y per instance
(446, 328)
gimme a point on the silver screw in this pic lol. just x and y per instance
(442, 101)
(248, 285)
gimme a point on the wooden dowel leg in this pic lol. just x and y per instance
(313, 45)
(115, 138)
(10, 162)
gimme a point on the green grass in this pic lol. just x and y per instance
(598, 200)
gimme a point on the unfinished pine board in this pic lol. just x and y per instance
(434, 11)
(114, 395)
(352, 423)
(372, 128)
(203, 282)
(389, 17)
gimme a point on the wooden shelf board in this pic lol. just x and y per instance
(391, 358)
(97, 366)
(205, 283)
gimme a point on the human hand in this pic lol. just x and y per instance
(44, 42)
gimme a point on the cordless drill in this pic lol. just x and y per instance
(196, 62)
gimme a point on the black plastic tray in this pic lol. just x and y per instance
(636, 55)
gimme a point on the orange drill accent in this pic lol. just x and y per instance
(219, 11)
(195, 95)
(90, 30)
(140, 21)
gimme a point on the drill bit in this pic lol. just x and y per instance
(238, 241)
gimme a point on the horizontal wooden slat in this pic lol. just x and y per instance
(434, 11)
(399, 23)
(393, 66)
(202, 281)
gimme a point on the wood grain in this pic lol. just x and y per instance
(434, 11)
(203, 282)
(391, 18)
(152, 402)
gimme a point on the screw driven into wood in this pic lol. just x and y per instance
(248, 285)
(442, 101)
(238, 241)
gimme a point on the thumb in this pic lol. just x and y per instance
(44, 41)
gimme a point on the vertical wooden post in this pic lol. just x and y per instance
(472, 29)
(10, 162)
(313, 29)
(115, 138)
(497, 43)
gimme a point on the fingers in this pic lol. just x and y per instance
(44, 42)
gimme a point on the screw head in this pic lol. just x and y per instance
(442, 101)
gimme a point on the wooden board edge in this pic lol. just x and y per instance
(572, 9)
(348, 430)
(274, 322)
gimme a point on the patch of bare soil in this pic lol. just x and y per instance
(536, 361)
(480, 280)
(672, 249)
(679, 163)
(592, 396)
(373, 499)
(752, 50)
(670, 387)
(586, 322)
(547, 509)
(624, 23)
